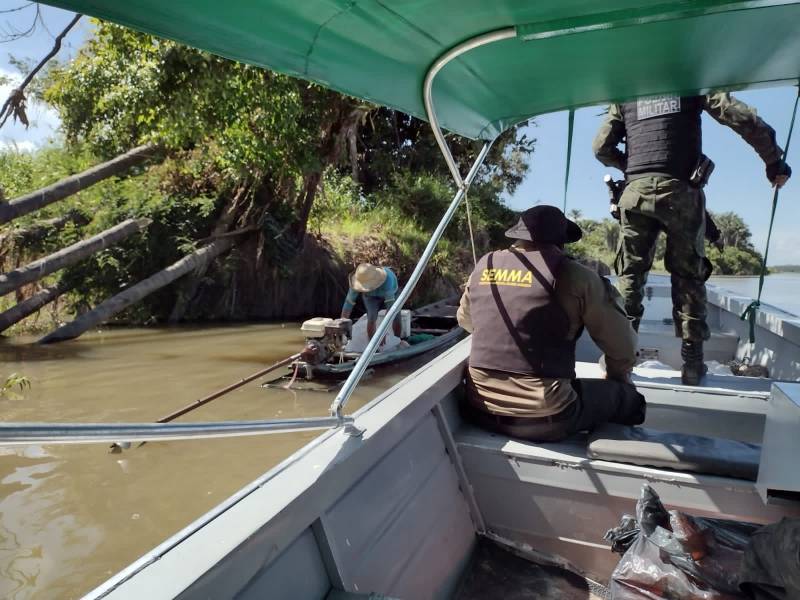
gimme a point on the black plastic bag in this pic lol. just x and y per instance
(674, 556)
(771, 566)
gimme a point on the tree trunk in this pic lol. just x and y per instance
(188, 287)
(40, 229)
(69, 255)
(31, 305)
(107, 309)
(73, 184)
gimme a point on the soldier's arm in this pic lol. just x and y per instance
(608, 325)
(743, 119)
(463, 315)
(609, 137)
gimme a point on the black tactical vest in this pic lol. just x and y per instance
(518, 325)
(663, 135)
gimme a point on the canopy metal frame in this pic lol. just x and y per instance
(462, 186)
(33, 433)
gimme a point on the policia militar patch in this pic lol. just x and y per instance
(657, 106)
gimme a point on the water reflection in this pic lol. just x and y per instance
(70, 516)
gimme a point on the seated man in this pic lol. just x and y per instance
(378, 289)
(526, 307)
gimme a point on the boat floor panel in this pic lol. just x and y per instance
(495, 572)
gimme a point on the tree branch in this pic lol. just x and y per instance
(15, 103)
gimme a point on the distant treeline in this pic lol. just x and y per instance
(785, 269)
(739, 257)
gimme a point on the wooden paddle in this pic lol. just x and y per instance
(206, 399)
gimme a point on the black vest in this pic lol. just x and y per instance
(518, 326)
(663, 135)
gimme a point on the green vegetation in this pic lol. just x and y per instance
(284, 166)
(15, 380)
(739, 257)
(305, 181)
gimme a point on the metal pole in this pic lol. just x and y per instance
(453, 53)
(78, 433)
(363, 361)
(463, 185)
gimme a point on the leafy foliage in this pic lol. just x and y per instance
(739, 257)
(15, 380)
(246, 149)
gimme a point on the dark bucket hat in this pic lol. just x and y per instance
(545, 224)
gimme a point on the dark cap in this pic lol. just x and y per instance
(545, 224)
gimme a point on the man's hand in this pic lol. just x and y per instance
(778, 173)
(622, 378)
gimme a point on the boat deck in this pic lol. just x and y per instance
(495, 572)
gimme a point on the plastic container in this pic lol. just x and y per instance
(405, 322)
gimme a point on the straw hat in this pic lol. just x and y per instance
(367, 277)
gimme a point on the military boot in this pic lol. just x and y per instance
(693, 366)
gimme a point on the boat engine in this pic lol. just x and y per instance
(325, 338)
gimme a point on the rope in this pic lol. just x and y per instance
(751, 311)
(471, 234)
(570, 127)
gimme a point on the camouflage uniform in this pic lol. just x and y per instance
(655, 202)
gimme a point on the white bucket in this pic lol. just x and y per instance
(405, 321)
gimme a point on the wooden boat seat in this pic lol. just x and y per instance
(677, 451)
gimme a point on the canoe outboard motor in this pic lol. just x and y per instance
(325, 338)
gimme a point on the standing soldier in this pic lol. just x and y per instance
(663, 153)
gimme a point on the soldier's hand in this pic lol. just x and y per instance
(778, 173)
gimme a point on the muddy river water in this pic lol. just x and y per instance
(72, 515)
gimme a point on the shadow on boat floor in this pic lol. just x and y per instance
(497, 573)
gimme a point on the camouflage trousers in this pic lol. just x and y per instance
(648, 206)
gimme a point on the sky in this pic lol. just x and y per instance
(738, 182)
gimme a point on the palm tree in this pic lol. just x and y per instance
(575, 214)
(610, 231)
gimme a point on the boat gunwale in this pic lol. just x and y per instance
(370, 417)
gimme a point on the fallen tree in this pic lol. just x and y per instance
(74, 183)
(116, 304)
(41, 229)
(31, 305)
(70, 255)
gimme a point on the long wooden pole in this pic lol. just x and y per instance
(110, 307)
(206, 399)
(70, 255)
(31, 305)
(73, 184)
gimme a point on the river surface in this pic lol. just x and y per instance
(781, 289)
(71, 516)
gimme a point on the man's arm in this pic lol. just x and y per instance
(609, 136)
(743, 119)
(607, 323)
(349, 303)
(463, 315)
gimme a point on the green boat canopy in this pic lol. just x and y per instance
(565, 53)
